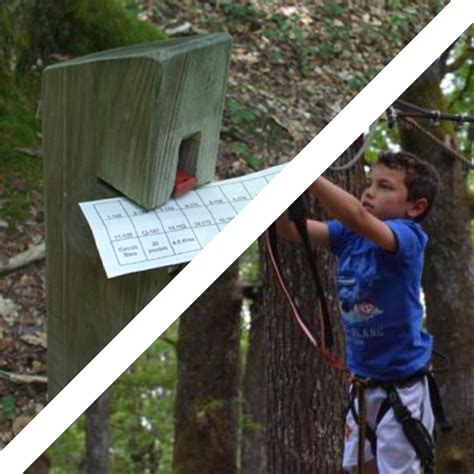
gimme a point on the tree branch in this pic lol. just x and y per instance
(33, 254)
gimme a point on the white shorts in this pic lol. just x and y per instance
(395, 454)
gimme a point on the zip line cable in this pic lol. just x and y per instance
(360, 153)
(418, 112)
(434, 115)
(453, 153)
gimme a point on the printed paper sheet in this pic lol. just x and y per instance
(130, 239)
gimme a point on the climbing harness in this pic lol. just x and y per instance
(414, 430)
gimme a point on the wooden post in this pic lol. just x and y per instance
(119, 122)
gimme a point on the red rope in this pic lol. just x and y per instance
(333, 360)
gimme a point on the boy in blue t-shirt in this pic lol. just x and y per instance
(380, 246)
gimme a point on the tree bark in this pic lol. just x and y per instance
(305, 396)
(207, 398)
(97, 436)
(448, 281)
(253, 459)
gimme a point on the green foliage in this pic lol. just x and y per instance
(398, 25)
(333, 9)
(134, 7)
(238, 114)
(9, 36)
(239, 11)
(304, 52)
(472, 239)
(361, 79)
(31, 31)
(8, 407)
(470, 180)
(242, 152)
(249, 265)
(142, 408)
(84, 26)
(247, 423)
(290, 34)
(67, 453)
(458, 87)
(18, 126)
(384, 138)
(326, 49)
(141, 419)
(20, 175)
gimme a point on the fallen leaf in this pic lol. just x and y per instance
(19, 423)
(35, 340)
(8, 309)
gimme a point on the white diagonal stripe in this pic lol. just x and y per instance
(173, 300)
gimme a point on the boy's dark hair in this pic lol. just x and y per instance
(422, 179)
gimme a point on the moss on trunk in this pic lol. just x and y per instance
(81, 27)
(29, 33)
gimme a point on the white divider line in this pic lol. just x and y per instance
(175, 298)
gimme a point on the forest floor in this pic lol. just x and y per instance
(293, 68)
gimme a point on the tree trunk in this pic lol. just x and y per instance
(207, 398)
(97, 436)
(253, 399)
(448, 282)
(305, 396)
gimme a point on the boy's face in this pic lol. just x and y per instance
(386, 196)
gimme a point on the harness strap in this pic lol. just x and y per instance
(369, 432)
(362, 424)
(414, 430)
(308, 327)
(437, 404)
(298, 213)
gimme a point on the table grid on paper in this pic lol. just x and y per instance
(183, 225)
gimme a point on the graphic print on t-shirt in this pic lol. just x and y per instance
(354, 282)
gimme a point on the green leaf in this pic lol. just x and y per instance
(8, 406)
(332, 8)
(239, 148)
(239, 114)
(252, 160)
(242, 152)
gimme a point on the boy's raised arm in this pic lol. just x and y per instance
(349, 210)
(317, 231)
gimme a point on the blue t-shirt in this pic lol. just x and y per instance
(379, 297)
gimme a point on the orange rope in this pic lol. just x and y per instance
(332, 359)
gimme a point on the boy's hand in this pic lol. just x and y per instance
(318, 232)
(298, 211)
(349, 210)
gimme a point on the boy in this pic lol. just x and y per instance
(380, 245)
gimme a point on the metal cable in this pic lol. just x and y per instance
(360, 153)
(435, 114)
(453, 153)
